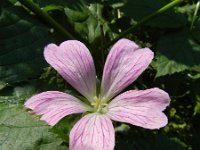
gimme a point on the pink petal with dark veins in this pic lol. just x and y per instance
(54, 105)
(125, 62)
(92, 132)
(74, 63)
(140, 107)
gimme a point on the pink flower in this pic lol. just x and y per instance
(125, 62)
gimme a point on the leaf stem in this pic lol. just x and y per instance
(48, 19)
(146, 19)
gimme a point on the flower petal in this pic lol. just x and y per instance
(125, 62)
(141, 108)
(74, 62)
(54, 105)
(92, 132)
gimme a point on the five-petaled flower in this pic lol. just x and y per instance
(125, 62)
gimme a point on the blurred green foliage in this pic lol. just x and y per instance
(174, 36)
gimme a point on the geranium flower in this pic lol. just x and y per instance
(125, 62)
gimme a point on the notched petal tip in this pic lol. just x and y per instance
(125, 41)
(163, 95)
(164, 121)
(160, 122)
(74, 63)
(48, 48)
(71, 42)
(125, 62)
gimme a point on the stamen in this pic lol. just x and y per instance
(99, 105)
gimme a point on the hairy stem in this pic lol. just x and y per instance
(146, 19)
(44, 16)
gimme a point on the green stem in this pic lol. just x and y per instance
(146, 19)
(48, 19)
(102, 43)
(195, 14)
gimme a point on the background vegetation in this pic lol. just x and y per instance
(173, 33)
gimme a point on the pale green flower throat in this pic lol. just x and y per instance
(99, 105)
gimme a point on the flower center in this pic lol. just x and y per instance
(99, 105)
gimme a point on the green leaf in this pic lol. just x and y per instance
(19, 92)
(16, 94)
(87, 21)
(2, 85)
(22, 41)
(177, 52)
(197, 108)
(138, 9)
(22, 131)
(53, 2)
(63, 127)
(77, 2)
(52, 8)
